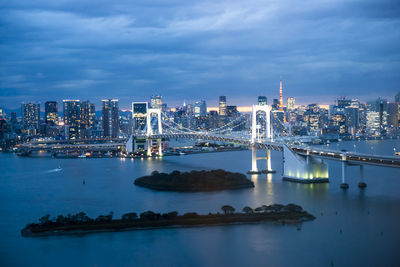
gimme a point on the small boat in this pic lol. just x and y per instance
(182, 153)
(397, 153)
(82, 156)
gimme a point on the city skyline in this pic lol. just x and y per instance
(198, 51)
(213, 107)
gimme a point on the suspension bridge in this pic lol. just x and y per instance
(301, 163)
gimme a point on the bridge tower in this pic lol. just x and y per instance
(256, 136)
(149, 131)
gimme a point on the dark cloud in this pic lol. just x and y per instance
(198, 49)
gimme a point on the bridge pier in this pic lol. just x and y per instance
(254, 169)
(344, 185)
(269, 165)
(160, 153)
(303, 168)
(362, 184)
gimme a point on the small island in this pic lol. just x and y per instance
(195, 181)
(81, 223)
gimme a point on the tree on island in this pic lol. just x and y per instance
(44, 219)
(248, 210)
(129, 216)
(227, 209)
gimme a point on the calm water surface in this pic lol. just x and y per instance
(369, 219)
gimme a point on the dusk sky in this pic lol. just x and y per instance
(192, 50)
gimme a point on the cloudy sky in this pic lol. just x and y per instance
(181, 49)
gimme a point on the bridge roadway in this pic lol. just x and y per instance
(116, 145)
(216, 137)
(349, 157)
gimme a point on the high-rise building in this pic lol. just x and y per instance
(222, 105)
(139, 124)
(377, 117)
(275, 104)
(3, 127)
(13, 117)
(262, 100)
(232, 111)
(291, 101)
(373, 125)
(397, 98)
(87, 114)
(87, 119)
(110, 117)
(190, 110)
(156, 101)
(139, 115)
(393, 114)
(51, 112)
(31, 117)
(200, 109)
(72, 118)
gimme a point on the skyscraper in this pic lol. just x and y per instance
(291, 101)
(139, 117)
(87, 114)
(51, 112)
(31, 117)
(222, 105)
(200, 109)
(262, 100)
(156, 101)
(110, 118)
(275, 104)
(397, 98)
(72, 118)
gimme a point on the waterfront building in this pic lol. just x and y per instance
(222, 105)
(87, 119)
(31, 118)
(262, 100)
(139, 125)
(110, 118)
(51, 112)
(139, 114)
(373, 125)
(72, 118)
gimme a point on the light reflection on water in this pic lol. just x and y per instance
(28, 192)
